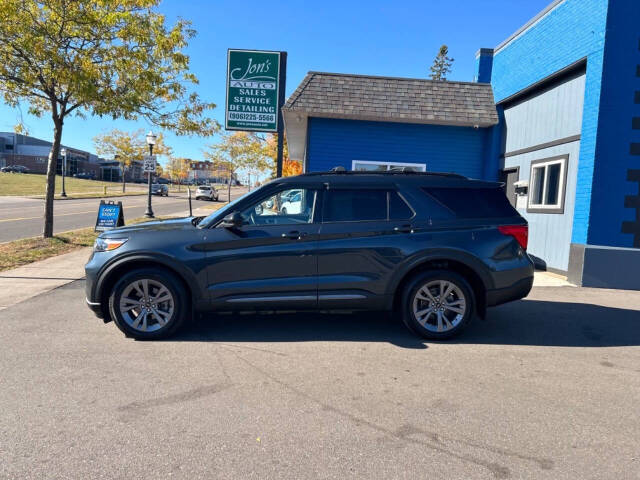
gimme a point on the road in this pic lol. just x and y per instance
(545, 388)
(21, 217)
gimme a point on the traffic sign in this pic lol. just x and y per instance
(149, 164)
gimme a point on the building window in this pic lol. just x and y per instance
(370, 166)
(547, 185)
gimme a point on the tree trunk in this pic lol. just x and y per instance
(123, 179)
(51, 178)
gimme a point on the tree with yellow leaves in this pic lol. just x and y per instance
(128, 147)
(238, 151)
(112, 58)
(289, 167)
(178, 169)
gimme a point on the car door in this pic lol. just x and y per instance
(270, 261)
(362, 239)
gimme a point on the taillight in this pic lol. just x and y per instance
(519, 232)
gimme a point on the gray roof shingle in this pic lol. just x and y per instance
(410, 100)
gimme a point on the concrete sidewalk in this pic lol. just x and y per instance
(31, 280)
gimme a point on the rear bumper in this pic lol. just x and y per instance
(518, 290)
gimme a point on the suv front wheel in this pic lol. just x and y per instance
(148, 304)
(438, 304)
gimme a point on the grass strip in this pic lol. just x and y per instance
(28, 250)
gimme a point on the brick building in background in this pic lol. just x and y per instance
(33, 153)
(206, 171)
(554, 113)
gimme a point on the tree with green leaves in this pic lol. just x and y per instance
(128, 147)
(110, 58)
(441, 64)
(238, 151)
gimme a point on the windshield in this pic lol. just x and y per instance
(228, 208)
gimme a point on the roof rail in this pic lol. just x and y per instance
(395, 171)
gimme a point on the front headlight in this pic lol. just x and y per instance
(108, 244)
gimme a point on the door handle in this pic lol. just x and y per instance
(403, 229)
(294, 235)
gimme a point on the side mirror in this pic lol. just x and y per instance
(232, 221)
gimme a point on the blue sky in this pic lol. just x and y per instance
(372, 37)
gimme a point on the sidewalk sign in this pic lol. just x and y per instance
(110, 216)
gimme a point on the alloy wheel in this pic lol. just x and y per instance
(146, 305)
(439, 305)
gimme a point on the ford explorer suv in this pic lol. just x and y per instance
(435, 249)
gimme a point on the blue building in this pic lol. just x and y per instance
(554, 112)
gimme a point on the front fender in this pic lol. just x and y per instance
(187, 275)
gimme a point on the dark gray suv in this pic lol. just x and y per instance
(436, 249)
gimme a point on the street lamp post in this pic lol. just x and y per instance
(64, 167)
(151, 141)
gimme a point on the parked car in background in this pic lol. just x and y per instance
(85, 176)
(437, 249)
(160, 189)
(207, 192)
(288, 196)
(14, 169)
(292, 204)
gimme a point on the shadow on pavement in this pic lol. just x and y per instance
(545, 323)
(301, 327)
(529, 322)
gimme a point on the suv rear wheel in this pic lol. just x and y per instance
(437, 304)
(148, 304)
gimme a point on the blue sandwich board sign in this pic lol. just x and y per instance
(110, 216)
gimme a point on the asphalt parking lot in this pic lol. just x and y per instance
(548, 387)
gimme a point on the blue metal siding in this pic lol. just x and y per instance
(334, 142)
(573, 30)
(615, 132)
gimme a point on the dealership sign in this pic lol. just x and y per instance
(253, 85)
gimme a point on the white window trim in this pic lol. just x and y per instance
(557, 207)
(421, 166)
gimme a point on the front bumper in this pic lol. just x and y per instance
(95, 307)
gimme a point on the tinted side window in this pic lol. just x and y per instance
(474, 202)
(398, 208)
(354, 205)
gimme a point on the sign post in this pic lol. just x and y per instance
(256, 93)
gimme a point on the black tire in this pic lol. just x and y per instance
(284, 211)
(416, 284)
(156, 276)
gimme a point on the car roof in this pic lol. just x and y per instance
(345, 178)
